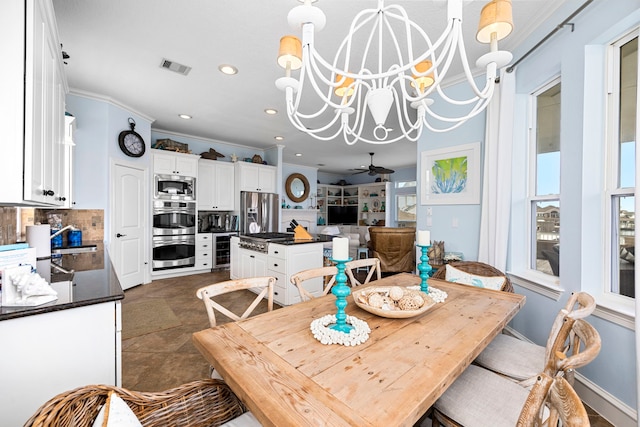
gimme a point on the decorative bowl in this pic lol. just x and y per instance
(359, 297)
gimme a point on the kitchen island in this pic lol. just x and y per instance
(281, 259)
(61, 345)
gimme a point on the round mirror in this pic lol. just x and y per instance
(297, 187)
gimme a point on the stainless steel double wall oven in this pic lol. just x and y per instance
(174, 234)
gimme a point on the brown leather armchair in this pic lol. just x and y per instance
(395, 247)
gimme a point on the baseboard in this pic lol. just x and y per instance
(608, 406)
(177, 272)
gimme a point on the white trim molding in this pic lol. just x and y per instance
(615, 316)
(109, 100)
(553, 292)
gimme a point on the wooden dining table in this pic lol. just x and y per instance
(288, 378)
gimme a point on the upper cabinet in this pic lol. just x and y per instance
(256, 177)
(215, 185)
(170, 163)
(32, 107)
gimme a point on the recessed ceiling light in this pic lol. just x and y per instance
(228, 69)
(184, 116)
(279, 138)
(271, 111)
(298, 154)
(363, 166)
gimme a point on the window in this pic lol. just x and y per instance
(544, 183)
(405, 207)
(622, 114)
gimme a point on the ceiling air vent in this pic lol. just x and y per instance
(175, 67)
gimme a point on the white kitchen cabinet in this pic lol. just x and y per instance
(216, 191)
(66, 160)
(32, 105)
(235, 269)
(46, 354)
(255, 177)
(204, 251)
(286, 260)
(281, 262)
(252, 263)
(170, 163)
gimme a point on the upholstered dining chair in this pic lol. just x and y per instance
(522, 360)
(479, 398)
(203, 402)
(394, 247)
(477, 269)
(328, 274)
(265, 284)
(373, 264)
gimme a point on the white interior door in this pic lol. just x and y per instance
(129, 210)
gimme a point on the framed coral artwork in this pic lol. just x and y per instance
(451, 175)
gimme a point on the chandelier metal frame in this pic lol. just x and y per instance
(376, 86)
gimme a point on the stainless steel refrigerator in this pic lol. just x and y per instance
(259, 212)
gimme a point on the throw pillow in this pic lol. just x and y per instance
(115, 412)
(458, 276)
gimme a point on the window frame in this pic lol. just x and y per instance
(613, 190)
(532, 198)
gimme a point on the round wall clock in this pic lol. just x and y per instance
(131, 143)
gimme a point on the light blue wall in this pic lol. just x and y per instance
(98, 124)
(465, 236)
(312, 176)
(89, 167)
(614, 370)
(562, 55)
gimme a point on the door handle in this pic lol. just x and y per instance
(121, 235)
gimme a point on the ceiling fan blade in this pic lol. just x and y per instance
(381, 170)
(361, 171)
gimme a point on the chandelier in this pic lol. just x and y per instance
(385, 63)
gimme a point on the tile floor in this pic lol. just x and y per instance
(167, 358)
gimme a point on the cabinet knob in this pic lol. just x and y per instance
(48, 193)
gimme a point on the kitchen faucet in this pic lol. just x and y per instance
(59, 232)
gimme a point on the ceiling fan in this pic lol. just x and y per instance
(374, 170)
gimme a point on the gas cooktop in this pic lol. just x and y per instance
(268, 237)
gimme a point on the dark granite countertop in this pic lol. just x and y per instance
(96, 284)
(316, 238)
(320, 238)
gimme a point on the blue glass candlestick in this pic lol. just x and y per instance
(341, 291)
(425, 269)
